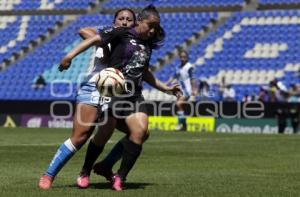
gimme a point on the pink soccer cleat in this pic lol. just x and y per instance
(117, 183)
(101, 169)
(45, 182)
(83, 180)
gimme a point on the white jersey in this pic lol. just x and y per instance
(88, 92)
(95, 67)
(184, 76)
(96, 63)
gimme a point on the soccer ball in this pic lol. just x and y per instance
(110, 82)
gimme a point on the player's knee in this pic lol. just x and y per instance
(78, 141)
(138, 136)
(144, 128)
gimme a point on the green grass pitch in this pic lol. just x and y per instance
(172, 164)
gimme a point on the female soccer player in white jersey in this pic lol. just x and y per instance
(184, 76)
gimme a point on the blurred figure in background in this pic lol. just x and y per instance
(294, 118)
(229, 93)
(184, 76)
(247, 97)
(39, 83)
(263, 94)
(294, 94)
(222, 87)
(281, 115)
(203, 90)
(278, 91)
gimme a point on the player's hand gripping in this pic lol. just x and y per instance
(65, 63)
(175, 90)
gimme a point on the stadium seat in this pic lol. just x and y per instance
(19, 5)
(250, 50)
(116, 4)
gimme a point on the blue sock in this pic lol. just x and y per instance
(114, 155)
(181, 117)
(62, 156)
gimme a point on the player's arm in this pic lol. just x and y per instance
(171, 80)
(87, 32)
(82, 46)
(102, 39)
(156, 83)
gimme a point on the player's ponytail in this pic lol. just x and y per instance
(159, 37)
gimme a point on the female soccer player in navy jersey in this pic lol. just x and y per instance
(104, 168)
(87, 105)
(130, 53)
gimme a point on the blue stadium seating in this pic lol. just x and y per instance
(250, 50)
(45, 59)
(18, 31)
(179, 27)
(114, 4)
(48, 5)
(278, 2)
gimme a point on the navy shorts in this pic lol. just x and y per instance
(121, 107)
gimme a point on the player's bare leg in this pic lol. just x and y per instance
(138, 129)
(95, 148)
(180, 113)
(83, 120)
(104, 167)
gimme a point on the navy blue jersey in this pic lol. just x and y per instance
(129, 54)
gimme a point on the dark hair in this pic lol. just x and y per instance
(159, 37)
(185, 52)
(124, 9)
(147, 11)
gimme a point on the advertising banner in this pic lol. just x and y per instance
(265, 126)
(10, 120)
(194, 124)
(37, 121)
(161, 123)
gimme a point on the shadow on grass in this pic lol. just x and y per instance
(127, 186)
(107, 186)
